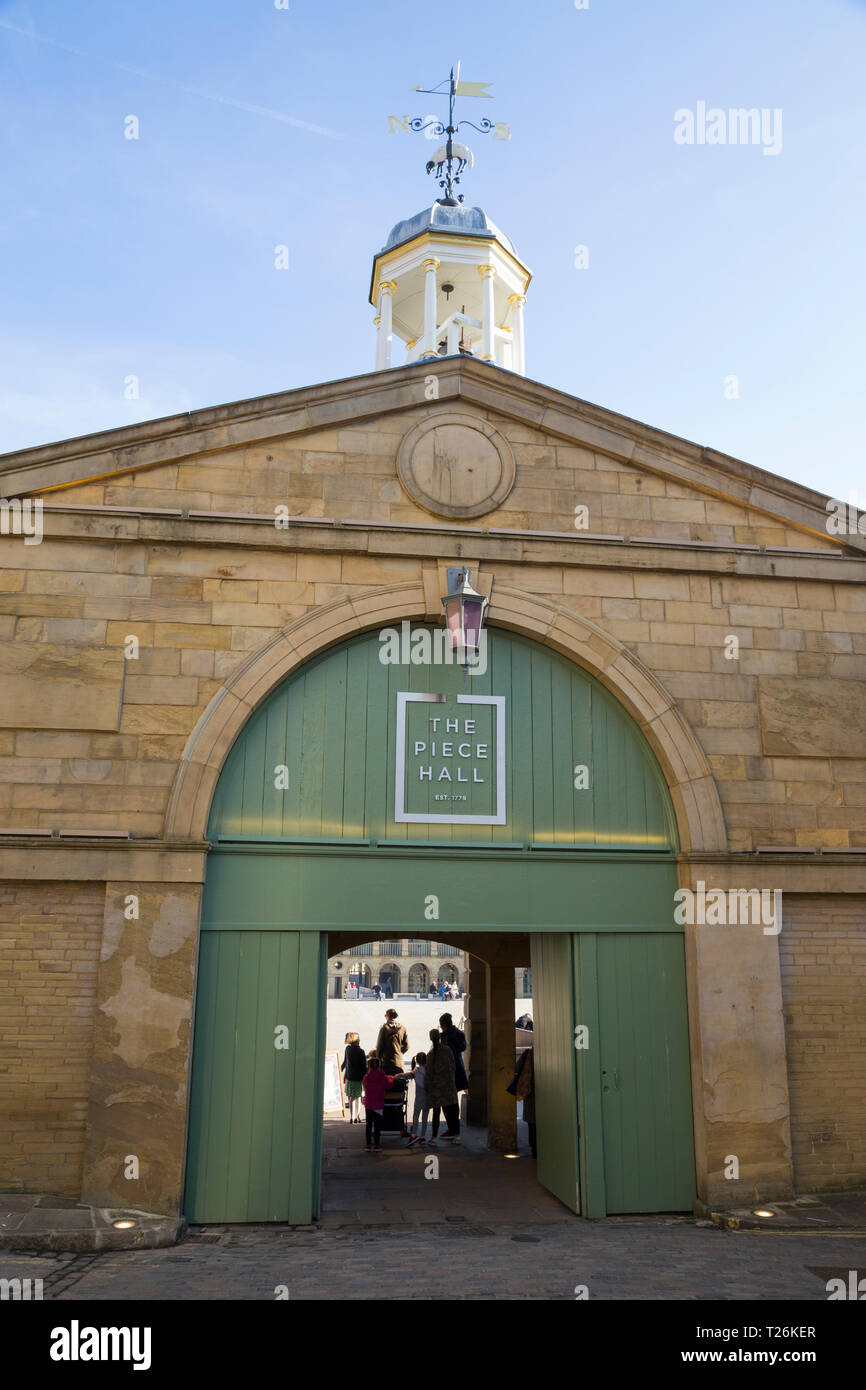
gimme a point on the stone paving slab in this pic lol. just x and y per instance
(635, 1259)
(38, 1221)
(835, 1211)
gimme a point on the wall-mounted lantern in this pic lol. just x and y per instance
(465, 610)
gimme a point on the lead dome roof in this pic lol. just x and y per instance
(460, 221)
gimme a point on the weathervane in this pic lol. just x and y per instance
(452, 158)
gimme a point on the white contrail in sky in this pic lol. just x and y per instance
(180, 86)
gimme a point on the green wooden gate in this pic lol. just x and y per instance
(628, 1146)
(255, 1126)
(322, 821)
(633, 1079)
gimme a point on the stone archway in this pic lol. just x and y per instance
(698, 808)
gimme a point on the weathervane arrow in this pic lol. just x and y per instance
(462, 155)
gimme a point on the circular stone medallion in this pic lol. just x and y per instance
(455, 465)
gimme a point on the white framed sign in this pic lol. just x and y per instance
(450, 764)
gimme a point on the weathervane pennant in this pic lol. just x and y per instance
(472, 89)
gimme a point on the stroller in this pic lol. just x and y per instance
(395, 1107)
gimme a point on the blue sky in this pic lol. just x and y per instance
(259, 127)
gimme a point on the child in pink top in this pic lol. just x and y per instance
(375, 1084)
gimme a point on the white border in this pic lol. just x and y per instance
(405, 697)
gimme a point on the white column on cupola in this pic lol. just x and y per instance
(488, 314)
(517, 302)
(431, 265)
(383, 325)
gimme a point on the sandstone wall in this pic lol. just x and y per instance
(823, 949)
(50, 935)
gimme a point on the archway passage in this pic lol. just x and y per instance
(368, 797)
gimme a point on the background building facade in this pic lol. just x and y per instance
(407, 964)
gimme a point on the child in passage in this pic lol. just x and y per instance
(421, 1109)
(375, 1084)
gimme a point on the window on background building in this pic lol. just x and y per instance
(418, 948)
(447, 975)
(419, 979)
(443, 950)
(389, 979)
(365, 950)
(391, 948)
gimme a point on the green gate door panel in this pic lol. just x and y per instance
(382, 892)
(254, 1146)
(554, 1062)
(637, 1078)
(333, 725)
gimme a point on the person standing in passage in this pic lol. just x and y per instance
(353, 1068)
(441, 1091)
(523, 1087)
(421, 1108)
(391, 1044)
(375, 1084)
(455, 1038)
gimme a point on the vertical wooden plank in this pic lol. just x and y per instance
(355, 750)
(589, 1082)
(523, 743)
(480, 685)
(334, 743)
(384, 681)
(309, 1065)
(216, 1077)
(201, 1079)
(319, 1090)
(290, 702)
(288, 1077)
(554, 1059)
(500, 681)
(561, 761)
(265, 1059)
(252, 804)
(313, 750)
(582, 755)
(542, 741)
(272, 718)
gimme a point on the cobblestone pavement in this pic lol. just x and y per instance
(649, 1258)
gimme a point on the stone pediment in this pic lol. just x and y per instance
(374, 448)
